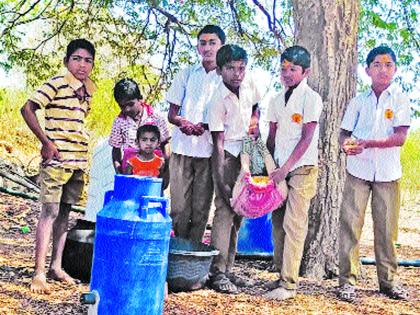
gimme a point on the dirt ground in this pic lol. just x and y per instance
(314, 296)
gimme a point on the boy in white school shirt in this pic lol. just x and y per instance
(293, 138)
(373, 129)
(191, 183)
(232, 113)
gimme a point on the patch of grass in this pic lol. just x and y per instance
(410, 159)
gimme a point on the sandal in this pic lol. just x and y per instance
(397, 292)
(220, 283)
(347, 293)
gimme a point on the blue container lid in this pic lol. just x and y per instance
(133, 186)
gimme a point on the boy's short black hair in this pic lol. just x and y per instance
(228, 53)
(380, 50)
(148, 128)
(76, 44)
(213, 29)
(297, 55)
(126, 90)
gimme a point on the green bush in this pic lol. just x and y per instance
(410, 159)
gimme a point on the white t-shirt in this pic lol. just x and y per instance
(191, 90)
(228, 113)
(304, 106)
(370, 118)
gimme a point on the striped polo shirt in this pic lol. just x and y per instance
(65, 117)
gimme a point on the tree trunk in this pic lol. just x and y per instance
(328, 29)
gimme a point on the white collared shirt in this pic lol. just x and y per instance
(370, 118)
(191, 89)
(228, 113)
(303, 106)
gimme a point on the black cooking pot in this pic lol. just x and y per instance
(78, 251)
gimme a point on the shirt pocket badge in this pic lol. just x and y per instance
(297, 118)
(389, 113)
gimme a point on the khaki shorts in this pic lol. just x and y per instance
(59, 185)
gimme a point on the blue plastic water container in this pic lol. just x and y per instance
(131, 248)
(254, 237)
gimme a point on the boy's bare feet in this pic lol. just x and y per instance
(39, 284)
(60, 275)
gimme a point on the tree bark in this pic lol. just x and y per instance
(328, 29)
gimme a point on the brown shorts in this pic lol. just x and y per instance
(59, 185)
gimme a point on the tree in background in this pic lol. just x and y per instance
(152, 37)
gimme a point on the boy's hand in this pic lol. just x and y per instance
(279, 174)
(118, 167)
(198, 129)
(187, 127)
(49, 152)
(352, 146)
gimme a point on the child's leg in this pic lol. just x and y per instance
(44, 229)
(278, 235)
(237, 220)
(302, 188)
(201, 199)
(224, 216)
(59, 240)
(352, 215)
(72, 192)
(181, 180)
(385, 212)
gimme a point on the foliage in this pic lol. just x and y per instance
(395, 24)
(410, 160)
(159, 35)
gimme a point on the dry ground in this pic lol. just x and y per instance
(314, 297)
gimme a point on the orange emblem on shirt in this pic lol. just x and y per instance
(297, 118)
(389, 114)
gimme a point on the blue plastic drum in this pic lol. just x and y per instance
(254, 237)
(131, 249)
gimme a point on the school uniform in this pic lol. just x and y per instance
(290, 222)
(232, 115)
(191, 183)
(376, 172)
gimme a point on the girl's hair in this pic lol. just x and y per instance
(148, 128)
(126, 90)
(228, 53)
(79, 43)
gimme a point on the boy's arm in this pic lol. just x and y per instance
(165, 147)
(218, 160)
(396, 139)
(117, 160)
(49, 150)
(271, 140)
(308, 130)
(174, 118)
(128, 170)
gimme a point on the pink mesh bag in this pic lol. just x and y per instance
(255, 196)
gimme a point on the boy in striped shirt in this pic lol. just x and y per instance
(66, 101)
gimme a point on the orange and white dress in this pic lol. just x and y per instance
(146, 168)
